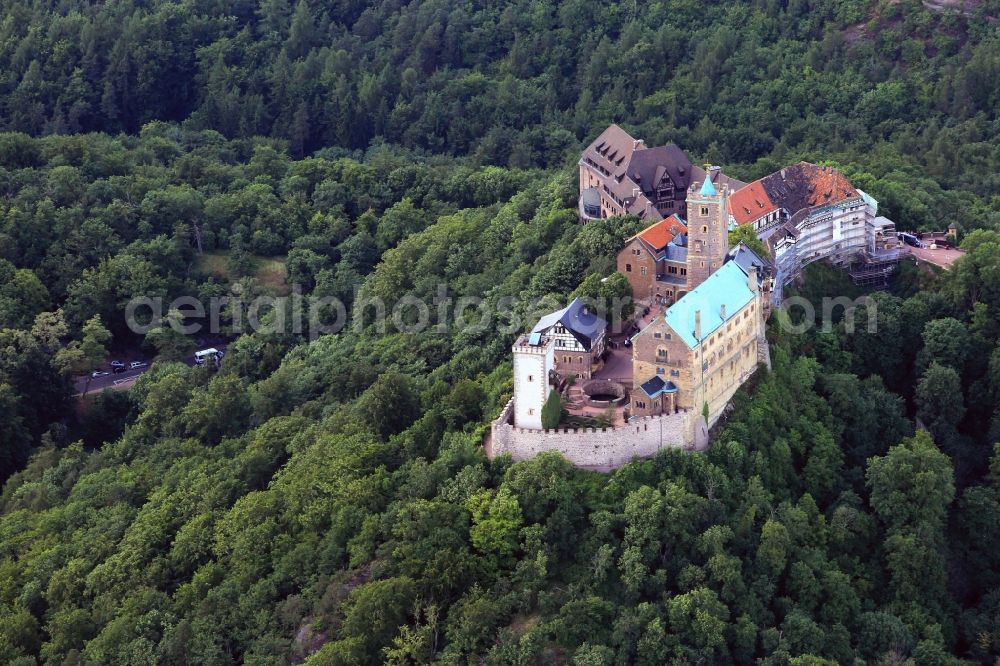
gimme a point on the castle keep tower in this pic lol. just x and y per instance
(708, 229)
(533, 360)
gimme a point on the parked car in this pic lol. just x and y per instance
(99, 373)
(138, 364)
(117, 367)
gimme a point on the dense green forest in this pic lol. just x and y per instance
(328, 501)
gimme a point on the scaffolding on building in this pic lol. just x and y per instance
(873, 269)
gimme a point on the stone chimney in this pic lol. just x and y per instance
(697, 325)
(722, 312)
(752, 279)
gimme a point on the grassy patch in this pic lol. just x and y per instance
(271, 272)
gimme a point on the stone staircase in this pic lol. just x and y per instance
(574, 397)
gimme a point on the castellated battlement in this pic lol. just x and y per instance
(600, 448)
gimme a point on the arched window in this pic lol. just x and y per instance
(704, 228)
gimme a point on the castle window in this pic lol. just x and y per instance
(531, 378)
(531, 411)
(628, 268)
(675, 373)
(579, 359)
(639, 404)
(684, 271)
(642, 270)
(657, 334)
(704, 228)
(661, 354)
(702, 264)
(704, 211)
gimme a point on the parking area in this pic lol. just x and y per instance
(940, 257)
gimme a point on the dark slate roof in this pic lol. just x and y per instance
(648, 166)
(656, 386)
(676, 253)
(744, 257)
(583, 324)
(591, 197)
(667, 278)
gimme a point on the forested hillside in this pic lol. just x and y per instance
(522, 83)
(328, 501)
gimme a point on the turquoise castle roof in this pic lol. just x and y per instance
(707, 188)
(726, 286)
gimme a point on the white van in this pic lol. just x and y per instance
(212, 352)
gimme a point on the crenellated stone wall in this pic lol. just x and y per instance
(601, 448)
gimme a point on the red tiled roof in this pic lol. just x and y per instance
(794, 188)
(659, 234)
(804, 185)
(750, 203)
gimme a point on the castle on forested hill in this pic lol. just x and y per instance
(668, 383)
(699, 334)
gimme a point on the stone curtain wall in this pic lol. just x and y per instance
(598, 448)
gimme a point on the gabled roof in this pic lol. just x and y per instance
(612, 149)
(725, 287)
(659, 234)
(743, 256)
(579, 321)
(806, 185)
(656, 386)
(647, 167)
(750, 203)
